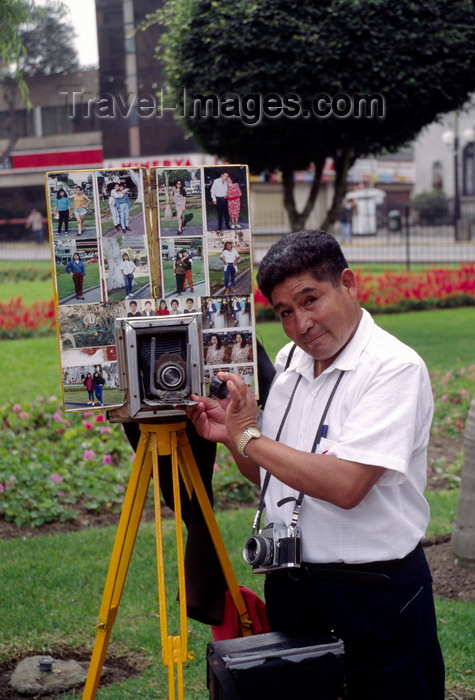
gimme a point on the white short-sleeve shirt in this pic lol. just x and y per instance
(380, 415)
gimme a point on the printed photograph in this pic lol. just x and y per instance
(226, 198)
(71, 196)
(92, 385)
(121, 203)
(78, 278)
(180, 201)
(88, 326)
(229, 263)
(183, 271)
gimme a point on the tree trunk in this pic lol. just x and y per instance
(342, 163)
(136, 177)
(297, 218)
(463, 533)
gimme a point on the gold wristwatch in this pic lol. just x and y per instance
(246, 437)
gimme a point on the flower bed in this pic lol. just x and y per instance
(408, 291)
(54, 466)
(20, 321)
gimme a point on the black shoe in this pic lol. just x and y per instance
(128, 229)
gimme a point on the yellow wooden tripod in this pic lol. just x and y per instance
(159, 439)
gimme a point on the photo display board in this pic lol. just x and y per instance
(141, 254)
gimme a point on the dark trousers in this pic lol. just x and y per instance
(78, 279)
(63, 219)
(223, 212)
(387, 624)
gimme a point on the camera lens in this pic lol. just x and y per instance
(258, 551)
(171, 377)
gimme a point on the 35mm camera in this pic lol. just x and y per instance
(273, 548)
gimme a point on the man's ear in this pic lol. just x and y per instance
(348, 281)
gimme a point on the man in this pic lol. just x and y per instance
(351, 407)
(346, 220)
(133, 312)
(219, 192)
(190, 306)
(35, 222)
(175, 310)
(149, 311)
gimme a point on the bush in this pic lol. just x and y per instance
(431, 207)
(54, 467)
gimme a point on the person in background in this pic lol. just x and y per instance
(34, 221)
(127, 268)
(344, 431)
(133, 312)
(234, 202)
(179, 269)
(89, 384)
(190, 306)
(62, 208)
(179, 198)
(188, 265)
(80, 204)
(216, 351)
(98, 381)
(346, 220)
(113, 207)
(240, 351)
(75, 268)
(123, 205)
(175, 307)
(230, 259)
(219, 192)
(163, 309)
(149, 310)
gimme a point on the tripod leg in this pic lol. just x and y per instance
(124, 543)
(174, 648)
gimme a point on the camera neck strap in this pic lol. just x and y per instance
(318, 435)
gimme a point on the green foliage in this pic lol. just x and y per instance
(42, 56)
(230, 489)
(24, 272)
(418, 60)
(52, 465)
(14, 14)
(432, 207)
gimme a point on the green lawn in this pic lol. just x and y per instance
(52, 585)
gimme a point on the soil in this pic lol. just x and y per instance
(450, 581)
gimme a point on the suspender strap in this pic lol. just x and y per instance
(318, 435)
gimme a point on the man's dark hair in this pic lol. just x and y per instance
(315, 252)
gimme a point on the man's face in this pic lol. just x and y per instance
(317, 316)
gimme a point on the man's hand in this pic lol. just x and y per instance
(208, 417)
(242, 411)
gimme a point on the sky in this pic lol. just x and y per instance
(82, 15)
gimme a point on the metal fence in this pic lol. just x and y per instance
(398, 240)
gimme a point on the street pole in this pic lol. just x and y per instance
(456, 177)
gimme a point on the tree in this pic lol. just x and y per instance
(463, 533)
(338, 79)
(35, 40)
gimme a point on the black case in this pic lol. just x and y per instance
(276, 665)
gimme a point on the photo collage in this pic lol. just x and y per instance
(116, 257)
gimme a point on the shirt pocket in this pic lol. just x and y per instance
(325, 446)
